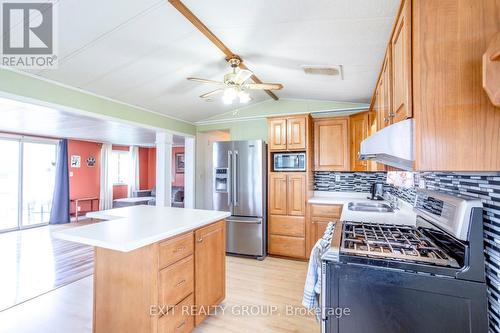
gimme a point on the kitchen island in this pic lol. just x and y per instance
(156, 269)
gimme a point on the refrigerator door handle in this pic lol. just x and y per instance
(229, 178)
(235, 178)
(254, 221)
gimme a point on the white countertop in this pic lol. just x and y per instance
(133, 227)
(404, 215)
(134, 199)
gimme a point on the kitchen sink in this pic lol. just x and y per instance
(377, 207)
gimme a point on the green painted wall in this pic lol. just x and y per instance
(255, 127)
(19, 84)
(240, 130)
(284, 106)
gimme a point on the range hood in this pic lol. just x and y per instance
(392, 145)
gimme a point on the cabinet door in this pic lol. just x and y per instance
(296, 194)
(401, 65)
(377, 105)
(319, 225)
(385, 97)
(296, 133)
(331, 144)
(210, 280)
(277, 193)
(277, 133)
(359, 131)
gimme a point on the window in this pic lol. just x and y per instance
(27, 176)
(120, 167)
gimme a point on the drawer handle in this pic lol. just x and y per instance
(181, 282)
(180, 248)
(181, 324)
(199, 240)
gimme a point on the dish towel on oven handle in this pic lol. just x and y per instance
(312, 287)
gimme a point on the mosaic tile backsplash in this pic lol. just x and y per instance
(347, 181)
(485, 186)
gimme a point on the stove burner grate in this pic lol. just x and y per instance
(394, 242)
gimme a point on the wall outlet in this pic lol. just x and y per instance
(71, 173)
(337, 178)
(79, 208)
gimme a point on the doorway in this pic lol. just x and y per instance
(204, 165)
(27, 177)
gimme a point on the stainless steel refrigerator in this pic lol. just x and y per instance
(240, 188)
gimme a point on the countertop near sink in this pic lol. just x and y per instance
(404, 215)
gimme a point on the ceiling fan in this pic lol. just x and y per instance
(234, 84)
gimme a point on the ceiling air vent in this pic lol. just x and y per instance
(323, 70)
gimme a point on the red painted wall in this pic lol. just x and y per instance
(85, 180)
(177, 178)
(143, 168)
(147, 168)
(123, 148)
(84, 183)
(152, 168)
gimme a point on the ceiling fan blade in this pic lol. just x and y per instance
(242, 75)
(264, 86)
(210, 94)
(205, 81)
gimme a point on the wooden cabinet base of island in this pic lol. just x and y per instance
(149, 289)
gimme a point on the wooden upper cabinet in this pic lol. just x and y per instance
(296, 194)
(358, 131)
(289, 133)
(457, 127)
(296, 133)
(331, 144)
(278, 193)
(277, 133)
(210, 261)
(402, 66)
(384, 113)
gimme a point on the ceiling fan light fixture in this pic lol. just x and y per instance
(244, 97)
(229, 95)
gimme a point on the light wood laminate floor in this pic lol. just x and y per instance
(269, 284)
(33, 262)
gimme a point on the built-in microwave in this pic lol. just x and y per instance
(289, 161)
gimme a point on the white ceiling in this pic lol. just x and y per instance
(140, 52)
(24, 118)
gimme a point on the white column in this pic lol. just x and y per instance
(189, 172)
(163, 169)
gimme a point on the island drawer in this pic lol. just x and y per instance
(179, 319)
(176, 282)
(330, 211)
(175, 249)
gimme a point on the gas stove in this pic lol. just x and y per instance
(429, 275)
(397, 242)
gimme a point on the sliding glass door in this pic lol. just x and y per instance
(27, 176)
(9, 184)
(39, 160)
